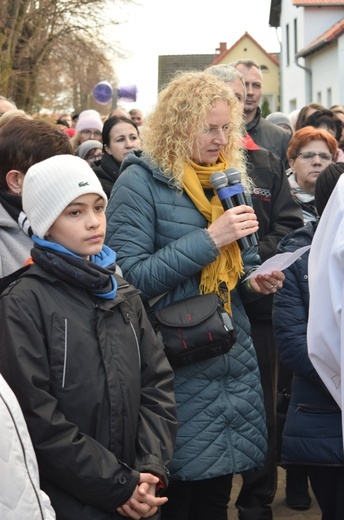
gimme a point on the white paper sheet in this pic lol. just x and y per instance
(278, 262)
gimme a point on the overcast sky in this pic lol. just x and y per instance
(157, 27)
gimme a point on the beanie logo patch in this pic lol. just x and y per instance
(81, 184)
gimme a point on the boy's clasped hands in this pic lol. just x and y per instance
(143, 503)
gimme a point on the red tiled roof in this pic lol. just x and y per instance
(325, 39)
(318, 3)
(220, 57)
(275, 7)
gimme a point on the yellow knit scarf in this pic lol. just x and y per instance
(227, 267)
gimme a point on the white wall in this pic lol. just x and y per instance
(298, 86)
(293, 94)
(340, 68)
(318, 20)
(324, 65)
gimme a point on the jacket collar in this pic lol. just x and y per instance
(139, 158)
(124, 289)
(252, 124)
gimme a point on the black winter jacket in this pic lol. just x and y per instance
(269, 136)
(277, 212)
(107, 171)
(95, 388)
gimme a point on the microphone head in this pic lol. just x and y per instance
(218, 180)
(233, 176)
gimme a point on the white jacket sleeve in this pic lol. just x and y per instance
(49, 513)
(20, 493)
(325, 333)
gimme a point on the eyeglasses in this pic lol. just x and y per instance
(95, 157)
(214, 132)
(309, 156)
(89, 133)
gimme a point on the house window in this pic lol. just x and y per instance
(295, 35)
(292, 105)
(287, 38)
(329, 97)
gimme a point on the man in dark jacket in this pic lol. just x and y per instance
(263, 132)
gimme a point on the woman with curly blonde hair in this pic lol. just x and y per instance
(171, 129)
(173, 241)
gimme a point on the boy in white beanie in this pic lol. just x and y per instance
(82, 358)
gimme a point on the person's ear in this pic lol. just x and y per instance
(291, 164)
(15, 179)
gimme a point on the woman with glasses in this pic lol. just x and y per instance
(310, 151)
(89, 126)
(120, 136)
(173, 241)
(90, 151)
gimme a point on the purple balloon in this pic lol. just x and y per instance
(103, 92)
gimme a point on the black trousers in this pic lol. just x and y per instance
(259, 487)
(328, 487)
(198, 499)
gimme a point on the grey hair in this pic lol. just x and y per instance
(227, 73)
(247, 63)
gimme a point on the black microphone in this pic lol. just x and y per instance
(234, 181)
(231, 194)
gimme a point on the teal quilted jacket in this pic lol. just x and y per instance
(161, 246)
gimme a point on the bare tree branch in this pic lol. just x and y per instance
(36, 33)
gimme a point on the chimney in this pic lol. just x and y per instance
(221, 49)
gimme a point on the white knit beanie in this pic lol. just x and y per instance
(50, 185)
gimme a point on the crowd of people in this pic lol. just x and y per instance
(105, 221)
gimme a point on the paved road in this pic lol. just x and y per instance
(280, 510)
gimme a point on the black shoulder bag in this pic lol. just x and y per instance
(195, 329)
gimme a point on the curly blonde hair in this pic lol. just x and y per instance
(178, 120)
